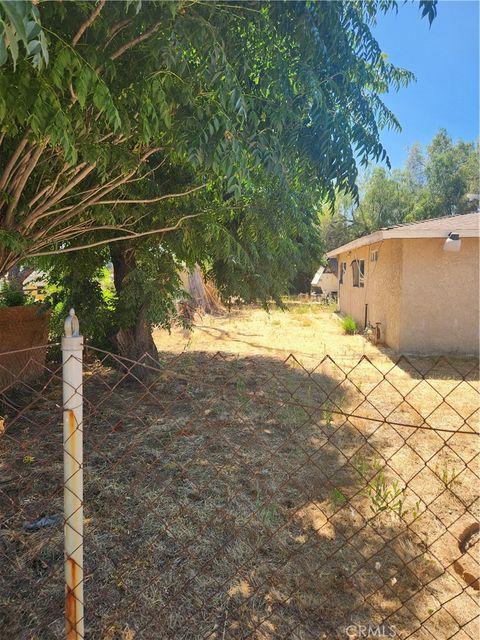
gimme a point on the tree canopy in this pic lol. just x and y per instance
(95, 97)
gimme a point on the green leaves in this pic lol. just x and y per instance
(20, 23)
(289, 91)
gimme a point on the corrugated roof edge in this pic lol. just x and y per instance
(467, 225)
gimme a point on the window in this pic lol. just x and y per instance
(358, 271)
(343, 270)
(374, 256)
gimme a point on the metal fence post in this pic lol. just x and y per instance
(72, 352)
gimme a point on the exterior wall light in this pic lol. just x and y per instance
(453, 242)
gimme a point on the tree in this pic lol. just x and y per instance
(242, 96)
(452, 172)
(287, 85)
(386, 200)
(414, 171)
(336, 223)
(445, 181)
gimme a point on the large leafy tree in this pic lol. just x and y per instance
(214, 126)
(294, 87)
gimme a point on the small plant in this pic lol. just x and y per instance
(446, 475)
(384, 496)
(349, 325)
(337, 498)
(328, 414)
(28, 459)
(294, 416)
(330, 305)
(362, 467)
(266, 510)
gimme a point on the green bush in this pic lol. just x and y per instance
(349, 325)
(12, 294)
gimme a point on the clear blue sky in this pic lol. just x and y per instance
(445, 60)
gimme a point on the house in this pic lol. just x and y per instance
(325, 281)
(34, 285)
(419, 281)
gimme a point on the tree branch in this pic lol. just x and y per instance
(35, 215)
(135, 41)
(131, 236)
(151, 200)
(13, 160)
(115, 30)
(99, 192)
(87, 23)
(22, 182)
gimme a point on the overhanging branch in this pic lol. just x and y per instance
(151, 200)
(131, 235)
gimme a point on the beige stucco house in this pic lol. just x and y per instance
(420, 281)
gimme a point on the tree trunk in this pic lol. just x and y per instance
(134, 342)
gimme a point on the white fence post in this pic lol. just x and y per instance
(72, 355)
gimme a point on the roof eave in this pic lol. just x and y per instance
(399, 234)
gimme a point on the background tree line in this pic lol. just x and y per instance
(442, 180)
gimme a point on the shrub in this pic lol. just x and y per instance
(349, 325)
(12, 294)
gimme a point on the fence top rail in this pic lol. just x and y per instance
(33, 348)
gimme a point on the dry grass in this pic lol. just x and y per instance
(236, 499)
(307, 330)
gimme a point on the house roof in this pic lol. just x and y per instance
(466, 225)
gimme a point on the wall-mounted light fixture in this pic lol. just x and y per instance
(453, 242)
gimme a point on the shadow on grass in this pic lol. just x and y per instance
(227, 498)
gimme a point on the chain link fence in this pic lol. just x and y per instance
(228, 497)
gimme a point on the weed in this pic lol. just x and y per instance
(349, 325)
(384, 496)
(330, 306)
(294, 416)
(328, 413)
(338, 499)
(28, 459)
(266, 510)
(362, 467)
(446, 475)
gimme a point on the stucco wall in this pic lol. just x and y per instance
(440, 297)
(426, 299)
(381, 291)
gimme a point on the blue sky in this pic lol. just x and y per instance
(445, 60)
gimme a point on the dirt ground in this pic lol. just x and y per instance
(244, 493)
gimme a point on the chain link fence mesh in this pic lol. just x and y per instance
(230, 497)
